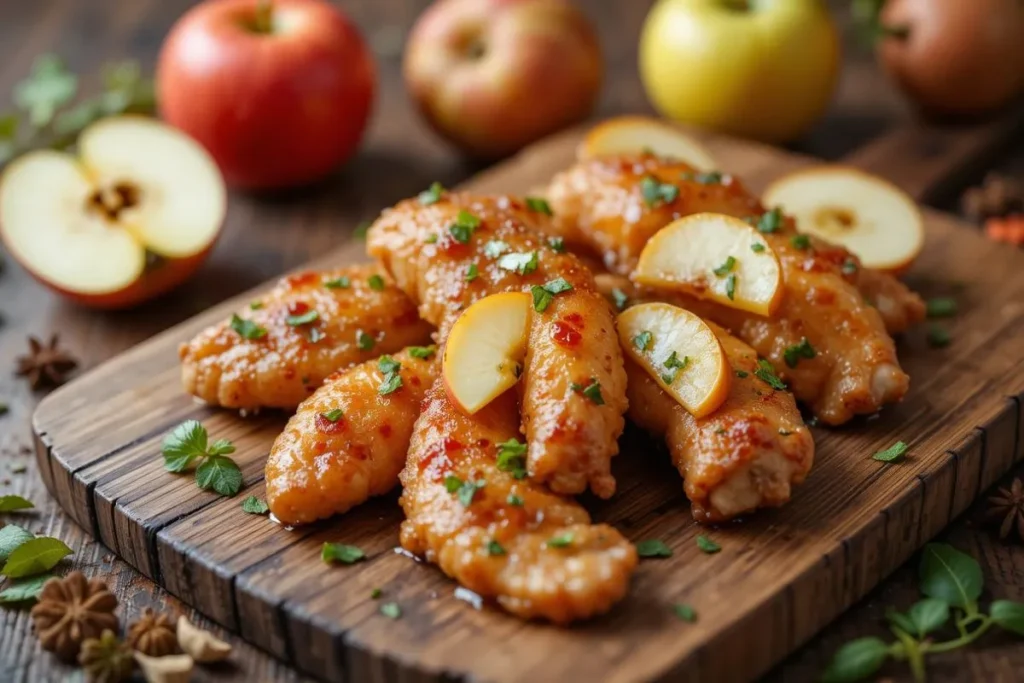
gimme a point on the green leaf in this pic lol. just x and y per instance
(560, 541)
(620, 299)
(938, 337)
(26, 589)
(495, 548)
(431, 195)
(35, 556)
(186, 442)
(391, 610)
(856, 660)
(901, 621)
(254, 506)
(11, 502)
(643, 341)
(685, 612)
(342, 282)
(247, 329)
(376, 282)
(306, 318)
(542, 298)
(48, 88)
(928, 615)
(221, 447)
(766, 373)
(653, 548)
(512, 458)
(893, 453)
(793, 354)
(220, 474)
(1008, 615)
(423, 352)
(467, 491)
(951, 576)
(708, 546)
(12, 537)
(540, 205)
(770, 221)
(340, 552)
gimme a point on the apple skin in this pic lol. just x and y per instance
(538, 71)
(273, 109)
(766, 75)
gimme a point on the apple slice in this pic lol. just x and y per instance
(714, 257)
(680, 352)
(634, 134)
(485, 349)
(869, 216)
(134, 215)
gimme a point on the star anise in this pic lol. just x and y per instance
(45, 364)
(1007, 507)
(153, 634)
(70, 610)
(106, 659)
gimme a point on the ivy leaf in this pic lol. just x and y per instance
(1008, 614)
(35, 557)
(856, 660)
(26, 589)
(220, 474)
(928, 615)
(12, 537)
(12, 502)
(951, 576)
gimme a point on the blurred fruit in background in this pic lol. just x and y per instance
(763, 70)
(951, 57)
(279, 92)
(160, 192)
(491, 76)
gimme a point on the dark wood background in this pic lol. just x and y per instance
(266, 235)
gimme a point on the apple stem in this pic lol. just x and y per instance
(264, 22)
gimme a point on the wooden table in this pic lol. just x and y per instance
(266, 235)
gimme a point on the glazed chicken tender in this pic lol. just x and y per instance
(601, 205)
(506, 538)
(277, 352)
(458, 249)
(348, 441)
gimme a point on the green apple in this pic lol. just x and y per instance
(763, 69)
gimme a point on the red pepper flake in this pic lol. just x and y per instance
(298, 308)
(325, 426)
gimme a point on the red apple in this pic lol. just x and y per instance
(278, 92)
(492, 76)
(133, 215)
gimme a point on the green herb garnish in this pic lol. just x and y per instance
(340, 552)
(302, 318)
(557, 244)
(766, 373)
(544, 294)
(893, 453)
(512, 458)
(707, 546)
(654, 192)
(726, 267)
(642, 341)
(254, 506)
(800, 241)
(423, 352)
(730, 286)
(684, 612)
(364, 341)
(941, 307)
(794, 353)
(431, 195)
(494, 548)
(342, 282)
(938, 337)
(187, 443)
(524, 264)
(653, 548)
(540, 205)
(472, 273)
(770, 221)
(376, 283)
(560, 541)
(247, 329)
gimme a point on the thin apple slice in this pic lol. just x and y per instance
(680, 352)
(179, 195)
(485, 349)
(634, 134)
(869, 216)
(714, 257)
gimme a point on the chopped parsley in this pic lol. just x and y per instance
(557, 244)
(431, 195)
(685, 612)
(742, 374)
(849, 266)
(333, 415)
(392, 380)
(620, 299)
(339, 552)
(452, 483)
(675, 364)
(540, 205)
(800, 241)
(342, 282)
(653, 548)
(495, 248)
(591, 391)
(465, 491)
(512, 458)
(364, 341)
(543, 295)
(642, 341)
(464, 226)
(893, 453)
(255, 506)
(513, 499)
(494, 548)
(730, 286)
(757, 247)
(247, 329)
(938, 337)
(706, 545)
(941, 307)
(423, 352)
(654, 192)
(725, 268)
(524, 264)
(376, 283)
(794, 353)
(766, 373)
(560, 541)
(770, 221)
(472, 273)
(306, 318)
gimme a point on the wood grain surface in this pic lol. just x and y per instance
(783, 573)
(265, 235)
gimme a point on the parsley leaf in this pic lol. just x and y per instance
(495, 248)
(725, 268)
(254, 506)
(247, 329)
(364, 341)
(524, 264)
(742, 374)
(342, 282)
(185, 443)
(431, 195)
(512, 458)
(800, 241)
(849, 267)
(654, 192)
(472, 273)
(333, 415)
(340, 552)
(543, 295)
(560, 541)
(591, 391)
(376, 282)
(513, 499)
(770, 221)
(794, 353)
(766, 373)
(467, 491)
(642, 341)
(674, 363)
(452, 483)
(392, 383)
(464, 226)
(707, 546)
(893, 453)
(540, 205)
(757, 247)
(704, 178)
(219, 473)
(423, 352)
(620, 299)
(495, 548)
(653, 548)
(303, 318)
(684, 612)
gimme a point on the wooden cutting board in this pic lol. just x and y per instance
(781, 575)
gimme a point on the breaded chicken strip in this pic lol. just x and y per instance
(504, 537)
(606, 205)
(452, 252)
(275, 354)
(348, 441)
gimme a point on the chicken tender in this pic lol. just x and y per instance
(348, 441)
(502, 536)
(461, 248)
(278, 352)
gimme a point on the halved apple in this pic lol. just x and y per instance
(484, 353)
(680, 352)
(132, 216)
(867, 215)
(715, 257)
(633, 134)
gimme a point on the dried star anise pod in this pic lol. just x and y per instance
(1007, 507)
(153, 634)
(106, 659)
(45, 364)
(70, 610)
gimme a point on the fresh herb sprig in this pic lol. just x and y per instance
(951, 582)
(188, 443)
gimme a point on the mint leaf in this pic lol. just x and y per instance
(684, 612)
(431, 195)
(35, 557)
(220, 474)
(856, 660)
(10, 503)
(186, 442)
(339, 552)
(653, 548)
(893, 453)
(540, 205)
(707, 546)
(247, 329)
(512, 458)
(951, 576)
(254, 506)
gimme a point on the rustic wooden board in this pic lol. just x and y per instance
(780, 577)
